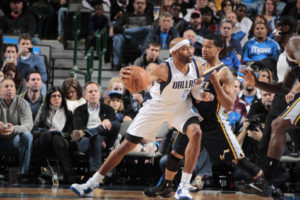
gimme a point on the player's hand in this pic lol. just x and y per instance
(106, 124)
(249, 76)
(207, 96)
(125, 72)
(214, 77)
(138, 97)
(289, 97)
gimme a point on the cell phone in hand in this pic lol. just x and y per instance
(30, 50)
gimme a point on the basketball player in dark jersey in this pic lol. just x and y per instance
(282, 117)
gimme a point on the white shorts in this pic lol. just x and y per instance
(292, 112)
(152, 115)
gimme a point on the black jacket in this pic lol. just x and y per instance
(81, 115)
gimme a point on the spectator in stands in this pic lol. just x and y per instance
(238, 34)
(197, 7)
(28, 61)
(117, 9)
(229, 58)
(115, 83)
(260, 19)
(196, 25)
(179, 24)
(245, 22)
(226, 29)
(269, 13)
(165, 6)
(151, 55)
(115, 100)
(15, 128)
(11, 72)
(227, 6)
(295, 11)
(94, 123)
(97, 22)
(62, 11)
(164, 33)
(191, 35)
(72, 90)
(33, 95)
(280, 5)
(131, 28)
(261, 46)
(213, 6)
(265, 75)
(251, 134)
(249, 94)
(18, 21)
(240, 105)
(10, 54)
(208, 19)
(52, 127)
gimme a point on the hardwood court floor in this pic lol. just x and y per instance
(17, 193)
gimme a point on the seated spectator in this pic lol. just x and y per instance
(117, 9)
(11, 72)
(244, 23)
(269, 12)
(179, 24)
(213, 6)
(197, 7)
(164, 33)
(33, 95)
(238, 34)
(260, 19)
(115, 100)
(10, 54)
(280, 6)
(239, 104)
(226, 29)
(18, 21)
(97, 22)
(208, 19)
(151, 55)
(229, 58)
(165, 6)
(52, 127)
(191, 35)
(227, 6)
(72, 90)
(249, 94)
(115, 83)
(196, 26)
(265, 75)
(132, 27)
(61, 18)
(28, 61)
(261, 46)
(15, 128)
(94, 122)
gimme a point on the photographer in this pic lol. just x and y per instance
(250, 136)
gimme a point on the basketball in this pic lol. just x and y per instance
(137, 81)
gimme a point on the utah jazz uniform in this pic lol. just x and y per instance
(168, 104)
(217, 136)
(292, 111)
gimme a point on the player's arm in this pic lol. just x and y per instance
(281, 87)
(223, 85)
(200, 69)
(158, 72)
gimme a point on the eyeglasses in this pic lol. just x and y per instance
(55, 95)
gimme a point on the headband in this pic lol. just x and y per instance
(179, 45)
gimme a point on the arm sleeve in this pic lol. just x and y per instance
(25, 118)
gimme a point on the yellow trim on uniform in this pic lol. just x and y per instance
(290, 108)
(176, 137)
(297, 120)
(211, 69)
(225, 133)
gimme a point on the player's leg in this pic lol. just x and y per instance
(112, 161)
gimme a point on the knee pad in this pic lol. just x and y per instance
(248, 166)
(173, 163)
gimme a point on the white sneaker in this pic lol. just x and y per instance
(183, 192)
(82, 190)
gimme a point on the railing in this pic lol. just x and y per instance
(101, 37)
(76, 24)
(89, 66)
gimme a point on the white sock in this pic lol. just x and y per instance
(95, 179)
(186, 178)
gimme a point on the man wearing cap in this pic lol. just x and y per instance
(195, 25)
(94, 122)
(17, 21)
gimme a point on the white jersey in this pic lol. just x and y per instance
(175, 90)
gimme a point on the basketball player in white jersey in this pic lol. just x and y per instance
(173, 81)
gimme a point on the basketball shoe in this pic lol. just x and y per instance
(84, 190)
(258, 186)
(164, 190)
(183, 192)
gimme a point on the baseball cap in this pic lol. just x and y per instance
(115, 93)
(195, 14)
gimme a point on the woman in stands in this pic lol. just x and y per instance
(10, 71)
(52, 128)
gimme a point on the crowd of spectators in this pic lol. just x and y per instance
(72, 117)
